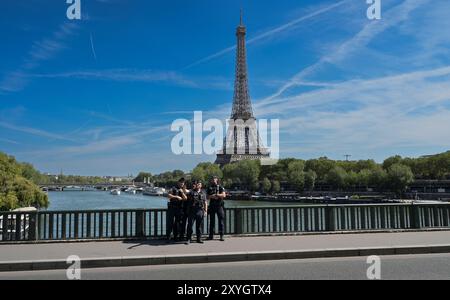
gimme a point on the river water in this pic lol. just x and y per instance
(100, 200)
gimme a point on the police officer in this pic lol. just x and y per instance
(177, 196)
(184, 216)
(197, 208)
(216, 197)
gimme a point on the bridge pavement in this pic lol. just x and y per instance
(112, 254)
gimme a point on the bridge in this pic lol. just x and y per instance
(43, 240)
(150, 223)
(105, 184)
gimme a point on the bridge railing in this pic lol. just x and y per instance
(151, 223)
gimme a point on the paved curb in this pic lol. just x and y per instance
(106, 262)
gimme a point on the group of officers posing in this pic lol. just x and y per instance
(188, 207)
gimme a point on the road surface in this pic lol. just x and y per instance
(411, 267)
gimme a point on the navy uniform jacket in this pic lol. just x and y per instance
(175, 191)
(215, 190)
(196, 199)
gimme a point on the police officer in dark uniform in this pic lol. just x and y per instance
(184, 217)
(177, 196)
(216, 197)
(197, 208)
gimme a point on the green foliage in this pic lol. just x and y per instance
(352, 180)
(16, 186)
(266, 185)
(206, 171)
(336, 177)
(364, 177)
(321, 167)
(391, 161)
(400, 176)
(310, 180)
(276, 186)
(378, 178)
(244, 173)
(296, 175)
(302, 175)
(143, 176)
(168, 179)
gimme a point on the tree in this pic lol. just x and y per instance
(310, 180)
(205, 171)
(178, 174)
(391, 161)
(321, 166)
(144, 176)
(351, 180)
(296, 175)
(247, 172)
(266, 185)
(336, 177)
(365, 165)
(30, 173)
(364, 177)
(276, 187)
(198, 174)
(400, 177)
(229, 174)
(8, 202)
(15, 190)
(378, 178)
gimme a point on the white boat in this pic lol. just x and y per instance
(115, 192)
(155, 192)
(131, 191)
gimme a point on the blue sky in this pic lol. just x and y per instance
(98, 96)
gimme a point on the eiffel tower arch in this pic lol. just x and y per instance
(242, 141)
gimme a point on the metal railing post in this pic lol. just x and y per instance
(414, 215)
(33, 226)
(140, 232)
(329, 218)
(239, 225)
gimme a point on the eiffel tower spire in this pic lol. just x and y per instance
(242, 106)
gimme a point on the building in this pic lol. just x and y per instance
(242, 141)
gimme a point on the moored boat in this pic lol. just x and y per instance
(115, 192)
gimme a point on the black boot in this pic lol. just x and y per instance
(222, 238)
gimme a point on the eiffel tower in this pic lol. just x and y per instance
(242, 141)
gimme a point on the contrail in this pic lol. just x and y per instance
(92, 47)
(268, 33)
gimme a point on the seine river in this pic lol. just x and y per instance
(93, 200)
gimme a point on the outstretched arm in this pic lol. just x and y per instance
(174, 197)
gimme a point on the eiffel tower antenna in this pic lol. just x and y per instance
(242, 106)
